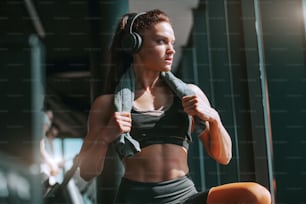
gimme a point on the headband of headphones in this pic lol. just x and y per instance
(131, 42)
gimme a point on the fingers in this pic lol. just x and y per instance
(190, 104)
(123, 120)
(190, 100)
(194, 106)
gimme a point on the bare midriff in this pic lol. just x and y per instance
(157, 163)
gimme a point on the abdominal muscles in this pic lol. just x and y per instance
(157, 163)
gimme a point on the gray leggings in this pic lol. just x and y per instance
(176, 191)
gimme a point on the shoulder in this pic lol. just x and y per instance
(199, 92)
(103, 100)
(195, 88)
(102, 107)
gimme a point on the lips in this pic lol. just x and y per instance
(169, 60)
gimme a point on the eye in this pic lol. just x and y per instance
(161, 41)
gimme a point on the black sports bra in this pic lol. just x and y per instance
(169, 126)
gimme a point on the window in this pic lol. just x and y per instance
(67, 149)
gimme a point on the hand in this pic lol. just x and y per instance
(119, 123)
(195, 106)
(54, 170)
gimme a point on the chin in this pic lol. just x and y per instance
(167, 68)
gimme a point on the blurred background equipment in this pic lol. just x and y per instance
(22, 79)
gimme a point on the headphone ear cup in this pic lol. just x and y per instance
(127, 42)
(138, 42)
(131, 42)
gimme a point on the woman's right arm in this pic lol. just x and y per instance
(104, 126)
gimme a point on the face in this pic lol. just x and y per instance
(157, 51)
(53, 132)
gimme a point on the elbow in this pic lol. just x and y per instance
(227, 155)
(224, 159)
(87, 175)
(83, 173)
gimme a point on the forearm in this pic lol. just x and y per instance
(215, 138)
(220, 143)
(91, 158)
(47, 158)
(45, 155)
(217, 141)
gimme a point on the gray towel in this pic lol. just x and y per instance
(123, 101)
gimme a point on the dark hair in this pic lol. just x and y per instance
(119, 60)
(53, 126)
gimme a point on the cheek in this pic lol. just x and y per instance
(151, 54)
(151, 47)
(156, 53)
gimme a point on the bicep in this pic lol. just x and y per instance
(98, 117)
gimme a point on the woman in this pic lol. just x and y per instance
(160, 121)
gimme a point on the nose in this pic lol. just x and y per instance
(170, 49)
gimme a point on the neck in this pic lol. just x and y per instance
(145, 79)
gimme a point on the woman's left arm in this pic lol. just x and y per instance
(215, 138)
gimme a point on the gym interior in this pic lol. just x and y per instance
(247, 55)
